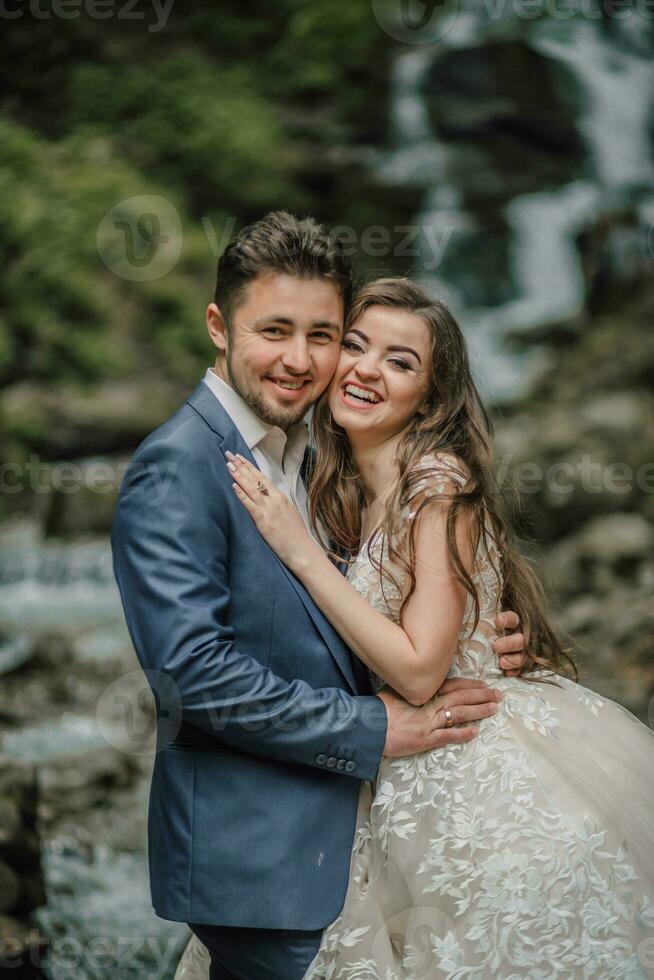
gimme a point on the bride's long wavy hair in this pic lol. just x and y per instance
(455, 422)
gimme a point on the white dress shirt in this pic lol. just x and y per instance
(278, 454)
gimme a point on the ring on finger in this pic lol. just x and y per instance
(261, 487)
(449, 720)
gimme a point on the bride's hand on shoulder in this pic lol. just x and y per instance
(276, 518)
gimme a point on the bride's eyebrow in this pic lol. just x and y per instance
(394, 348)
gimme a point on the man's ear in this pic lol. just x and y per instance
(217, 328)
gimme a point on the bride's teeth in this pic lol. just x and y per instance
(361, 393)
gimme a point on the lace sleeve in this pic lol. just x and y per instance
(435, 475)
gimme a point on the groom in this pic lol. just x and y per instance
(266, 721)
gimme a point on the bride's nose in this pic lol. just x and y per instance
(366, 367)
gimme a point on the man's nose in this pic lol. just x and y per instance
(295, 356)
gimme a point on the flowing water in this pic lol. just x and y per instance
(98, 919)
(614, 73)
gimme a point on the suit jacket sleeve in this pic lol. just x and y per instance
(171, 549)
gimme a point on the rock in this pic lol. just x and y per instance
(586, 432)
(615, 414)
(14, 652)
(509, 119)
(78, 764)
(22, 886)
(90, 508)
(65, 422)
(613, 643)
(22, 949)
(609, 550)
(9, 888)
(612, 254)
(615, 538)
(9, 820)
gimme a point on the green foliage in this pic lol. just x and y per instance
(62, 311)
(227, 112)
(191, 125)
(47, 295)
(329, 49)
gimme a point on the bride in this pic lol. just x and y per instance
(529, 851)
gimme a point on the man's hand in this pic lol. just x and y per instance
(412, 730)
(510, 649)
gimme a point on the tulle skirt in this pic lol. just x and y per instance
(528, 852)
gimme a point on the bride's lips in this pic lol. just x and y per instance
(290, 394)
(357, 403)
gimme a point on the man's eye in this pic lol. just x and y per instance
(273, 330)
(352, 345)
(322, 335)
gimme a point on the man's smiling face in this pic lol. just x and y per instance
(282, 346)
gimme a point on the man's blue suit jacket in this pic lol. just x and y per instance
(266, 722)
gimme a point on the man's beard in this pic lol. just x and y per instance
(282, 417)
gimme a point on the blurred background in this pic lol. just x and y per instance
(501, 151)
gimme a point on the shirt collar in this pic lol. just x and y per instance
(253, 429)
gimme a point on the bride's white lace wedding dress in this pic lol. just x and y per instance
(526, 853)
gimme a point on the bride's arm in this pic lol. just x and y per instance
(413, 659)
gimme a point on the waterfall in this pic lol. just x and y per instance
(619, 87)
(550, 285)
(416, 152)
(617, 84)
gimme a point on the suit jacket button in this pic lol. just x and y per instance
(321, 759)
(331, 762)
(340, 764)
(350, 766)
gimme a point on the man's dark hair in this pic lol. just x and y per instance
(280, 242)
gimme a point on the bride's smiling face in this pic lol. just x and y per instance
(383, 373)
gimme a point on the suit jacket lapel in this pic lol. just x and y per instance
(207, 405)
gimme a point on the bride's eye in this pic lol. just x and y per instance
(398, 362)
(352, 345)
